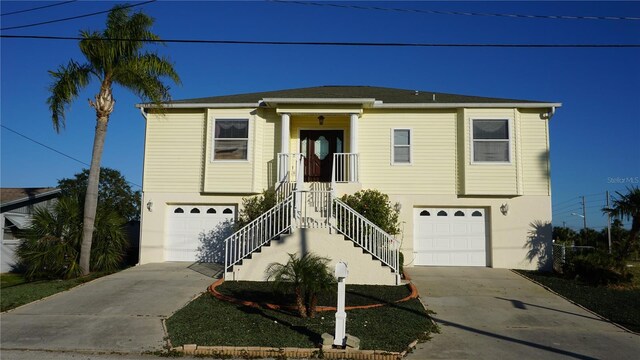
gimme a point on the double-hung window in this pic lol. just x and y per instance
(491, 141)
(231, 139)
(401, 146)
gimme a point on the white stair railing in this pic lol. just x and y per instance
(257, 233)
(366, 234)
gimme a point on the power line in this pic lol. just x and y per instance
(54, 150)
(73, 17)
(37, 8)
(327, 43)
(464, 13)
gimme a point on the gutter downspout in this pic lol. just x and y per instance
(142, 198)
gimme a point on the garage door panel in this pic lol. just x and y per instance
(186, 228)
(455, 238)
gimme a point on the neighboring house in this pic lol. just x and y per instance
(470, 175)
(17, 206)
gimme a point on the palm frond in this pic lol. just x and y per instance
(68, 80)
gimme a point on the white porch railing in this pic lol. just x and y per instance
(289, 165)
(366, 234)
(345, 168)
(254, 235)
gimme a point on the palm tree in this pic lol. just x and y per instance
(306, 276)
(627, 206)
(51, 244)
(113, 56)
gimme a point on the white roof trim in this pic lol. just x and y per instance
(373, 103)
(464, 105)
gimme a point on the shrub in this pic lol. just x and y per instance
(594, 268)
(254, 206)
(50, 248)
(376, 207)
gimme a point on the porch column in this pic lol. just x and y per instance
(284, 134)
(353, 141)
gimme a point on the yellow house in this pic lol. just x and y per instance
(470, 175)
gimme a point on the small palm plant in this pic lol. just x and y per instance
(51, 245)
(307, 276)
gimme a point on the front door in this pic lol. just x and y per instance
(318, 147)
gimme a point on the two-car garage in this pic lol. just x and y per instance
(450, 236)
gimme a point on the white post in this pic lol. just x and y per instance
(285, 165)
(341, 273)
(353, 147)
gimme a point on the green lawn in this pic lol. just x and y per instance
(208, 321)
(616, 303)
(16, 292)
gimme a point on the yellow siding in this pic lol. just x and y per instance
(433, 135)
(173, 151)
(270, 148)
(490, 179)
(231, 176)
(535, 153)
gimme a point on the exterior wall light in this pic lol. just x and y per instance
(321, 120)
(150, 205)
(504, 209)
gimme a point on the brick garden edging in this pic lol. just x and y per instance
(247, 352)
(218, 295)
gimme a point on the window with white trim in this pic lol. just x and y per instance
(491, 141)
(231, 139)
(401, 146)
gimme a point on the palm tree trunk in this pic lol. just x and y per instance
(313, 305)
(91, 198)
(302, 310)
(104, 106)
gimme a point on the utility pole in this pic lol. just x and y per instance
(584, 219)
(608, 223)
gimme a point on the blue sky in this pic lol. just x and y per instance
(594, 136)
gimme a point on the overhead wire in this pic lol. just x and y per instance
(73, 17)
(463, 13)
(38, 8)
(326, 43)
(54, 150)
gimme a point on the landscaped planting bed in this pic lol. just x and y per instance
(618, 303)
(208, 321)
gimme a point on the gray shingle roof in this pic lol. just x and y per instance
(386, 95)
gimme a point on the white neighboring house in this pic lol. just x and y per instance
(16, 208)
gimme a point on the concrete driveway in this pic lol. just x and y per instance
(122, 312)
(496, 314)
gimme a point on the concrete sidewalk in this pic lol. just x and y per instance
(496, 314)
(122, 312)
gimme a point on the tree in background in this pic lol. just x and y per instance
(123, 62)
(113, 191)
(564, 235)
(627, 207)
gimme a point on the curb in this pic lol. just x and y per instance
(576, 304)
(218, 295)
(278, 353)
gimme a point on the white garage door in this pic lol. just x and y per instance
(450, 237)
(186, 226)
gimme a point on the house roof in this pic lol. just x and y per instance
(10, 196)
(371, 95)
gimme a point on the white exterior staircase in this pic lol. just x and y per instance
(313, 220)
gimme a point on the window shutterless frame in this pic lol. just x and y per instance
(508, 140)
(230, 139)
(405, 145)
